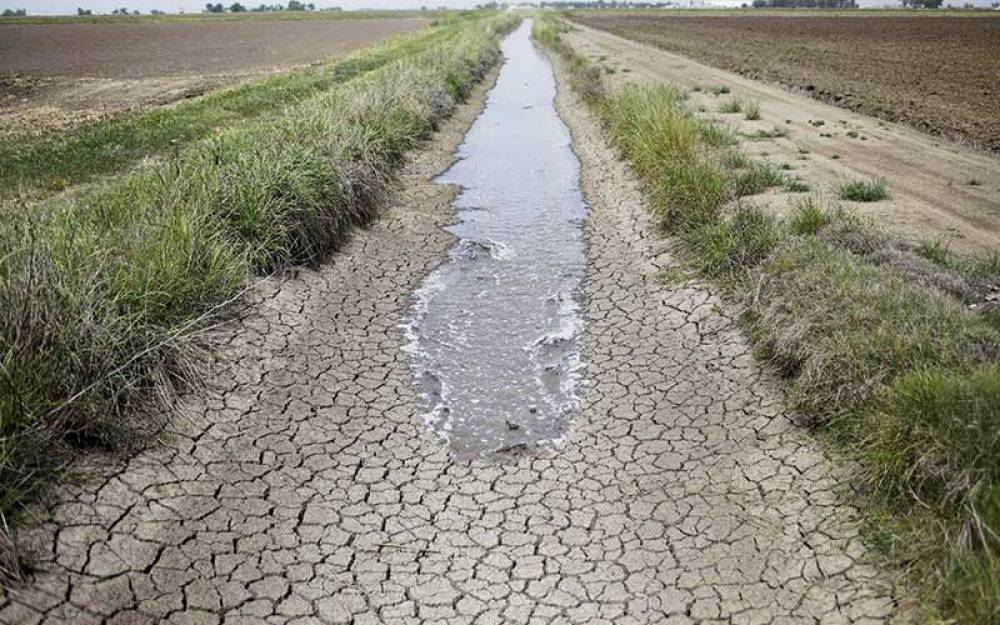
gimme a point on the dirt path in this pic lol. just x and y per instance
(929, 179)
(302, 487)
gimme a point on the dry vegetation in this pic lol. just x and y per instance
(936, 73)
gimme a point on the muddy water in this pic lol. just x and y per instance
(492, 331)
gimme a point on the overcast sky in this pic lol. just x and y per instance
(50, 7)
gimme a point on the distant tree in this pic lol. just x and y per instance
(236, 7)
(214, 8)
(157, 12)
(80, 11)
(295, 5)
(14, 12)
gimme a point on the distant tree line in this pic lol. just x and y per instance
(805, 4)
(922, 4)
(601, 4)
(14, 12)
(122, 11)
(236, 7)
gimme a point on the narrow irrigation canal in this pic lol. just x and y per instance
(492, 331)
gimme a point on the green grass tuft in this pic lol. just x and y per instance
(732, 105)
(863, 191)
(809, 218)
(757, 177)
(763, 135)
(726, 249)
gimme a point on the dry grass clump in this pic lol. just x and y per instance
(100, 290)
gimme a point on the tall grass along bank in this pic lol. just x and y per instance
(100, 290)
(890, 349)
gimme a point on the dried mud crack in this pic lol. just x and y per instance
(302, 487)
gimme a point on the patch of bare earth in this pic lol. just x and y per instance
(939, 190)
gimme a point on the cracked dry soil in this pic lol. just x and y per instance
(300, 485)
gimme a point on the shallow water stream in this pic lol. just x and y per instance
(492, 331)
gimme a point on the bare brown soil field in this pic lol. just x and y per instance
(939, 74)
(153, 49)
(56, 76)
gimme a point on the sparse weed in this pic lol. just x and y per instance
(732, 105)
(756, 178)
(751, 110)
(864, 191)
(734, 159)
(937, 252)
(809, 217)
(775, 133)
(673, 276)
(795, 185)
(716, 135)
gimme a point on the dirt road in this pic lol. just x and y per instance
(940, 190)
(302, 487)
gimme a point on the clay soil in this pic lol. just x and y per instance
(939, 74)
(57, 76)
